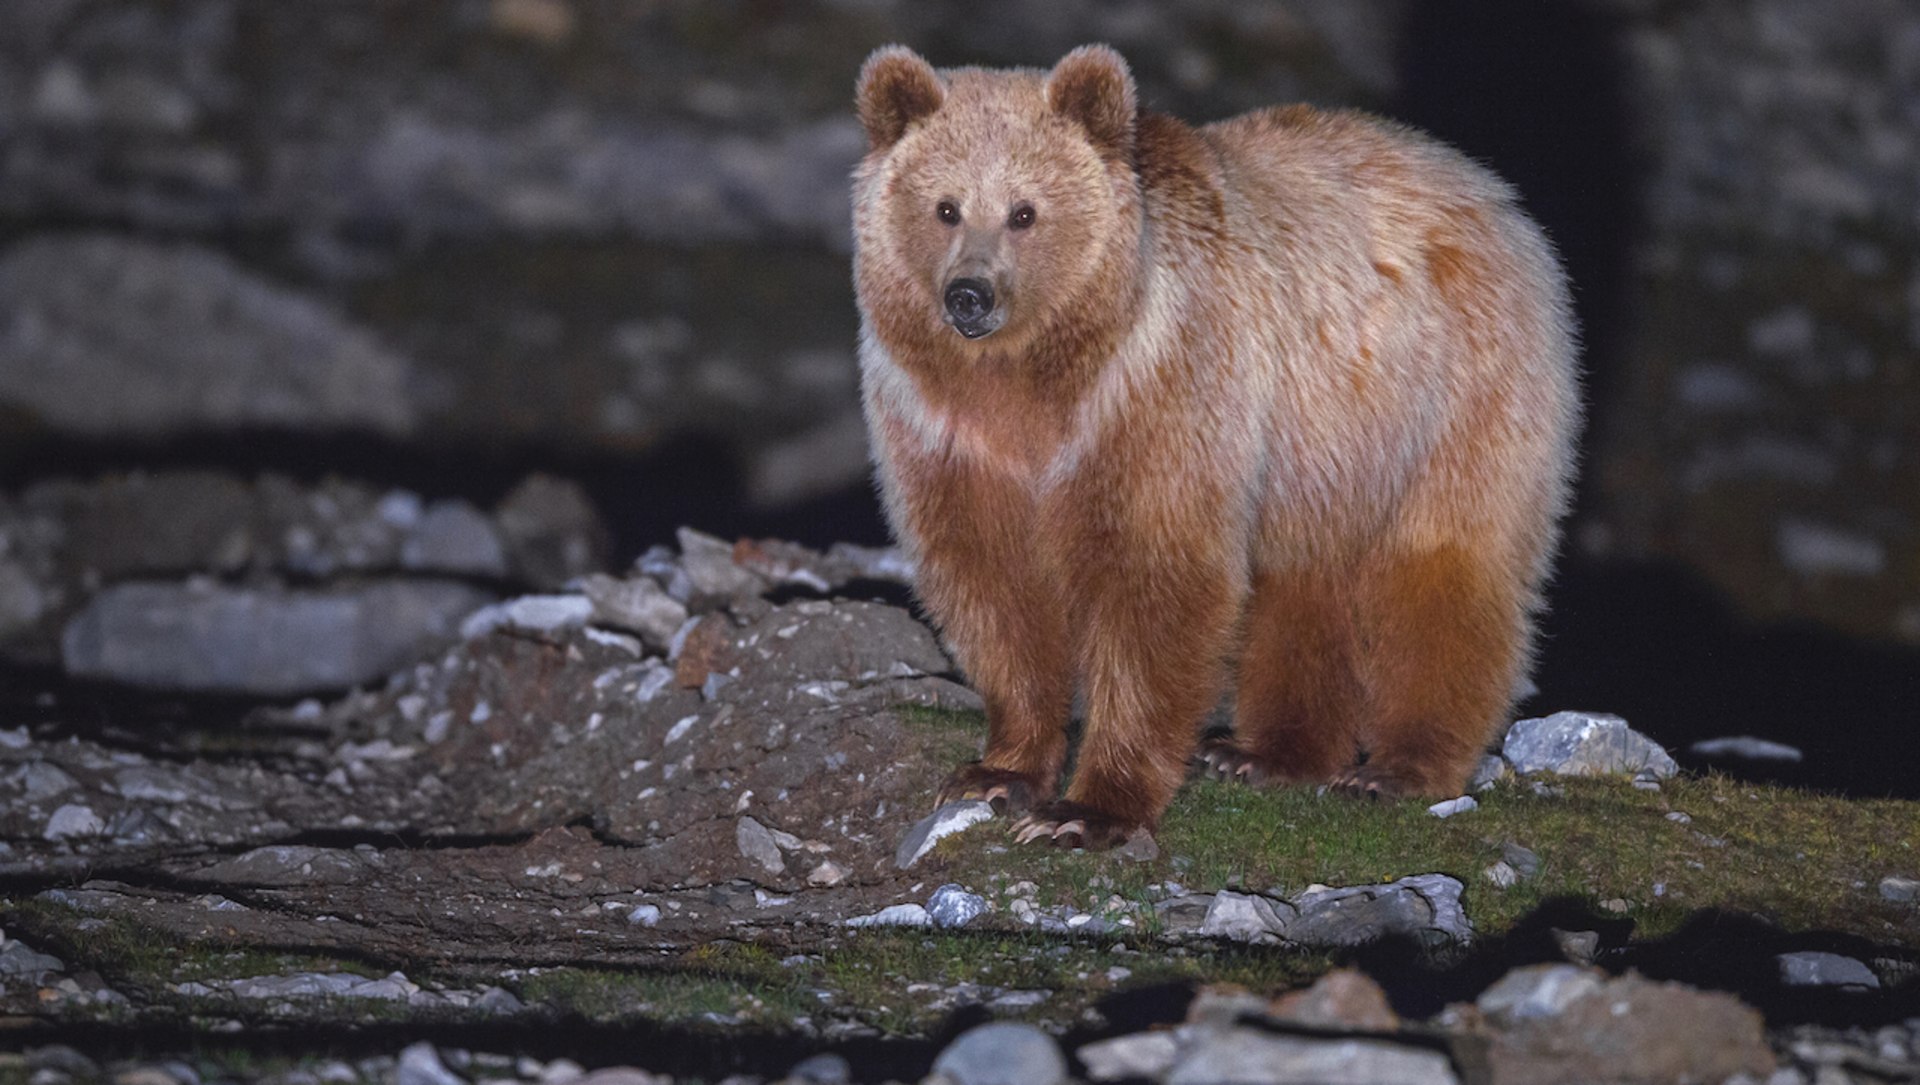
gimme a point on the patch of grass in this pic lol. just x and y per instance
(1801, 859)
(953, 735)
(904, 981)
(127, 952)
(729, 979)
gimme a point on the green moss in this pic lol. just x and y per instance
(1801, 859)
(729, 979)
(129, 953)
(953, 735)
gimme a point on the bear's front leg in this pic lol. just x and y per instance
(982, 574)
(1158, 613)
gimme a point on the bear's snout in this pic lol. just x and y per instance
(970, 307)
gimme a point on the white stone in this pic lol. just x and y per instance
(73, 820)
(534, 613)
(1143, 1055)
(420, 1065)
(1002, 1053)
(894, 915)
(1584, 744)
(756, 842)
(1812, 968)
(1537, 991)
(1250, 1057)
(944, 822)
(953, 906)
(1450, 807)
(1744, 746)
(1241, 917)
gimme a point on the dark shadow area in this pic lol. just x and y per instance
(1536, 91)
(1713, 950)
(1658, 645)
(691, 480)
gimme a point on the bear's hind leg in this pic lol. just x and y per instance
(1446, 632)
(1297, 695)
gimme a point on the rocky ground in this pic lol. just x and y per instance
(670, 825)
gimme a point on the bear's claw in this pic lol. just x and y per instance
(1009, 792)
(1369, 781)
(1221, 759)
(1073, 825)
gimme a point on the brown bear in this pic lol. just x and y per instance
(1281, 408)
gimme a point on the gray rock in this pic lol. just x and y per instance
(1579, 947)
(1449, 807)
(1524, 861)
(1183, 914)
(454, 537)
(757, 844)
(952, 906)
(1138, 847)
(826, 1068)
(271, 642)
(1143, 1055)
(1424, 906)
(1584, 744)
(1502, 875)
(19, 959)
(39, 780)
(894, 915)
(1491, 770)
(74, 820)
(644, 915)
(1812, 968)
(1245, 917)
(637, 604)
(1252, 1057)
(1002, 1053)
(545, 614)
(1018, 1000)
(1552, 1026)
(709, 565)
(1900, 889)
(1537, 991)
(928, 831)
(420, 1065)
(114, 337)
(394, 987)
(498, 1000)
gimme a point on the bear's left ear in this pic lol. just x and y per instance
(896, 88)
(1093, 87)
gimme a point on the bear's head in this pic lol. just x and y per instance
(992, 203)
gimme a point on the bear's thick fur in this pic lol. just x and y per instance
(1282, 406)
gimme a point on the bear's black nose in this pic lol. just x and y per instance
(969, 300)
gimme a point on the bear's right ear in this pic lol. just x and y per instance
(896, 88)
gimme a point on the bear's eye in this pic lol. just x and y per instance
(1022, 217)
(948, 212)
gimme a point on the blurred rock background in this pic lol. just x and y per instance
(436, 245)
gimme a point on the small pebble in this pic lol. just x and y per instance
(1900, 889)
